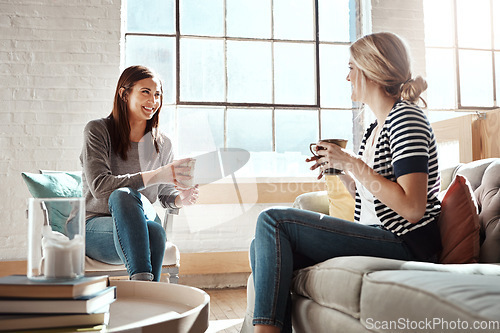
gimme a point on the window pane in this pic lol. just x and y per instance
(294, 76)
(202, 73)
(199, 130)
(248, 18)
(334, 21)
(335, 89)
(157, 16)
(337, 124)
(251, 129)
(476, 78)
(441, 78)
(293, 19)
(474, 23)
(295, 130)
(158, 53)
(438, 21)
(249, 74)
(202, 18)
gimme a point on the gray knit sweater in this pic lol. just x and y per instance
(105, 171)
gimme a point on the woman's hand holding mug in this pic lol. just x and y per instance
(322, 152)
(179, 172)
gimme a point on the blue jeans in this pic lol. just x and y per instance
(287, 239)
(132, 235)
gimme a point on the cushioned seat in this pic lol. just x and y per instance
(51, 184)
(343, 277)
(433, 298)
(372, 289)
(171, 263)
(368, 294)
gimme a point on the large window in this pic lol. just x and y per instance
(267, 76)
(462, 53)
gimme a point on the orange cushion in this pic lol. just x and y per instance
(459, 224)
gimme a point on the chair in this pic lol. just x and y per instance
(170, 265)
(51, 184)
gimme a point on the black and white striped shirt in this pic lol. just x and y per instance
(406, 144)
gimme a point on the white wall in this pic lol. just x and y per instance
(59, 62)
(405, 18)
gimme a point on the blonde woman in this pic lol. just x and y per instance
(396, 177)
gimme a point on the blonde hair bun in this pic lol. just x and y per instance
(413, 88)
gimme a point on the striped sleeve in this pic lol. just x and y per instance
(409, 136)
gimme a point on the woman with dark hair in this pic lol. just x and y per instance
(128, 163)
(396, 177)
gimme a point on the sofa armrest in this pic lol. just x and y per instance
(314, 201)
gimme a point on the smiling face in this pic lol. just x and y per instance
(143, 100)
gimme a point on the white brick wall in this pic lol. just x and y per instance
(59, 62)
(405, 18)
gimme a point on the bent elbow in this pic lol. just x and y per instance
(99, 194)
(415, 215)
(99, 191)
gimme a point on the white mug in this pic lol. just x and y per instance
(188, 183)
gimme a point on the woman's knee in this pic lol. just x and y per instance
(271, 217)
(124, 195)
(156, 232)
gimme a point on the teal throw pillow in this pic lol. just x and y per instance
(55, 184)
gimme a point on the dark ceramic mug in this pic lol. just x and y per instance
(339, 142)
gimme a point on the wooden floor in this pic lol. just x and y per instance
(227, 309)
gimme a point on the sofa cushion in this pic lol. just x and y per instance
(459, 224)
(342, 278)
(474, 171)
(428, 298)
(447, 175)
(310, 317)
(55, 185)
(314, 201)
(488, 198)
(337, 283)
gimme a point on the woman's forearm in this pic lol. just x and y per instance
(349, 184)
(150, 177)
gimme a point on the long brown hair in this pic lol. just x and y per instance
(384, 58)
(118, 120)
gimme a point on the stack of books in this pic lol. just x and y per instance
(37, 304)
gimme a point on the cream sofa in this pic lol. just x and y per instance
(367, 294)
